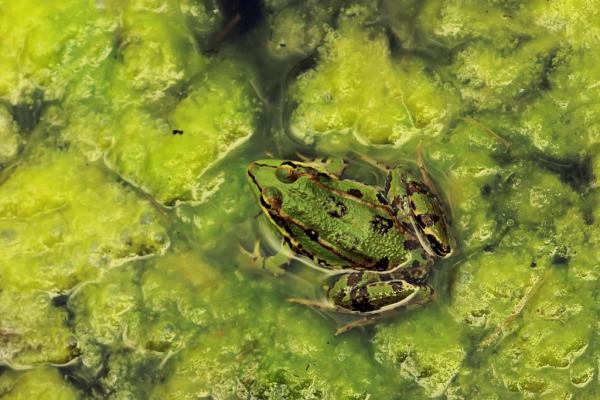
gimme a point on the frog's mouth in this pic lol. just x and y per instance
(252, 171)
(268, 196)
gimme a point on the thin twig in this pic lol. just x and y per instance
(493, 134)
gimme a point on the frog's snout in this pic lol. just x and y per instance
(252, 168)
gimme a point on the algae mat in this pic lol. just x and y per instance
(128, 265)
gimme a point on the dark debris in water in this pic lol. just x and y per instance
(250, 12)
(27, 113)
(576, 172)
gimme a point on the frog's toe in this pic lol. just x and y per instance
(359, 323)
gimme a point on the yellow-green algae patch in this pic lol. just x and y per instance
(116, 68)
(42, 384)
(499, 57)
(217, 114)
(32, 330)
(165, 154)
(563, 121)
(10, 140)
(63, 221)
(46, 46)
(359, 88)
(430, 353)
(297, 28)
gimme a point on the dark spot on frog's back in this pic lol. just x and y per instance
(312, 234)
(360, 299)
(338, 209)
(354, 278)
(411, 244)
(382, 265)
(381, 224)
(355, 193)
(382, 199)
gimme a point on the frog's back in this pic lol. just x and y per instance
(343, 224)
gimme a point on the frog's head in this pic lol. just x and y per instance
(268, 179)
(430, 220)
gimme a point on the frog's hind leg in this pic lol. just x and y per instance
(378, 297)
(365, 293)
(397, 295)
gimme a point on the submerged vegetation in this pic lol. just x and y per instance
(128, 263)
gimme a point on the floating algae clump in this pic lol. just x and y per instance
(42, 384)
(33, 330)
(115, 104)
(499, 59)
(424, 349)
(217, 114)
(562, 122)
(10, 140)
(297, 28)
(273, 351)
(63, 221)
(47, 46)
(373, 97)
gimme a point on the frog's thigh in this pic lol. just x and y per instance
(380, 296)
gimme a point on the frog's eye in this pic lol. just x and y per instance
(286, 174)
(439, 247)
(271, 198)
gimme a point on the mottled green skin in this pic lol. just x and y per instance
(346, 225)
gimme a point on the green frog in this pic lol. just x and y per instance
(380, 242)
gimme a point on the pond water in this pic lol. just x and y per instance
(135, 261)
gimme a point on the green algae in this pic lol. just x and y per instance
(127, 267)
(43, 384)
(46, 230)
(372, 98)
(10, 140)
(296, 29)
(37, 336)
(429, 355)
